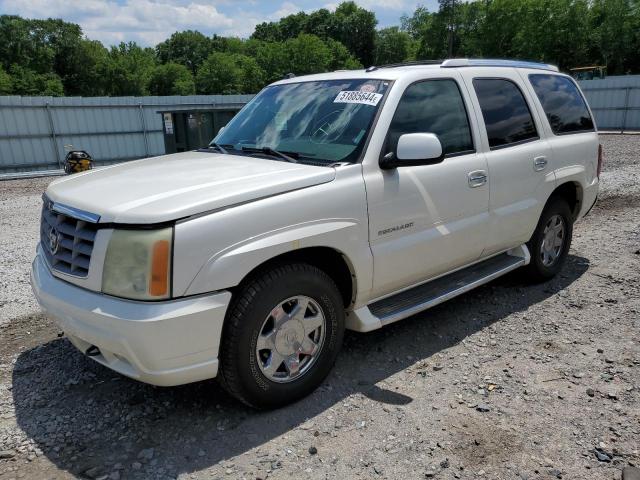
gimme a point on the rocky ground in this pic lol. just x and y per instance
(510, 381)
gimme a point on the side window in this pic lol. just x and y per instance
(505, 111)
(561, 100)
(433, 106)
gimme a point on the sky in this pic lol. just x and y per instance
(149, 22)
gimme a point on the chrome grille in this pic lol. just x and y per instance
(66, 241)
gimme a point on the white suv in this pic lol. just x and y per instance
(349, 199)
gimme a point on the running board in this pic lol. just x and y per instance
(427, 295)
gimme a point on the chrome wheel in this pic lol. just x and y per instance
(290, 339)
(553, 239)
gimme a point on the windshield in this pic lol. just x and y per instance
(325, 121)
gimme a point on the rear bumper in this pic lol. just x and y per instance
(162, 343)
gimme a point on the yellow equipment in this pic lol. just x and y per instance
(77, 161)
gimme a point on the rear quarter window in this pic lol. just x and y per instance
(563, 104)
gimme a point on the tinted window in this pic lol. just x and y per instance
(505, 111)
(561, 100)
(433, 106)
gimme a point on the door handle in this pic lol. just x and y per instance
(539, 163)
(477, 178)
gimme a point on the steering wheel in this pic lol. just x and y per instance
(322, 130)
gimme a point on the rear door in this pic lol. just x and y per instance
(518, 156)
(571, 132)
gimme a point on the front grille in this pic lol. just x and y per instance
(67, 242)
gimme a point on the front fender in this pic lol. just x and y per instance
(228, 267)
(216, 251)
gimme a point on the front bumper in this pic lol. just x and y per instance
(162, 343)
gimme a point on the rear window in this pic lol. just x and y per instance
(562, 102)
(505, 112)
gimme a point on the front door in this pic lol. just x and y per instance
(427, 220)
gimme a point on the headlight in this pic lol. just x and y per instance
(138, 264)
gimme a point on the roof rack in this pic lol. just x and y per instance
(487, 62)
(404, 64)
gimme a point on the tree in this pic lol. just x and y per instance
(5, 82)
(52, 57)
(267, 32)
(351, 25)
(21, 43)
(273, 59)
(188, 48)
(428, 31)
(341, 58)
(171, 79)
(355, 27)
(229, 73)
(127, 69)
(27, 82)
(307, 54)
(320, 23)
(233, 45)
(615, 26)
(393, 46)
(84, 69)
(448, 12)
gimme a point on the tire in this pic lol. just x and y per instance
(544, 266)
(253, 374)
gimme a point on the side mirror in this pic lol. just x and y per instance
(415, 149)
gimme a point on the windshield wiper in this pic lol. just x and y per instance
(288, 156)
(220, 148)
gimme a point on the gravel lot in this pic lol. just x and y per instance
(507, 382)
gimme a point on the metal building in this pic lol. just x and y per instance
(34, 130)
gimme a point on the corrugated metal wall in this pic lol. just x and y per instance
(34, 130)
(615, 101)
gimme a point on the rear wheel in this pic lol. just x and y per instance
(282, 335)
(551, 241)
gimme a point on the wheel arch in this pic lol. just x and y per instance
(328, 259)
(572, 193)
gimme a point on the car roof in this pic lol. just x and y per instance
(395, 71)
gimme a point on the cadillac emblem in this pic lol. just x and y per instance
(53, 238)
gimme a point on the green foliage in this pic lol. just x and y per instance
(23, 42)
(187, 48)
(171, 79)
(568, 33)
(351, 25)
(356, 29)
(5, 82)
(394, 46)
(85, 68)
(25, 81)
(341, 58)
(228, 73)
(272, 58)
(128, 69)
(307, 54)
(52, 57)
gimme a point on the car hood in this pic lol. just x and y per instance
(175, 186)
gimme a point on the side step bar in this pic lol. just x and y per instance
(427, 295)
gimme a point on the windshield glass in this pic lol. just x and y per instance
(324, 121)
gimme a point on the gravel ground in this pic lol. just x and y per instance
(507, 382)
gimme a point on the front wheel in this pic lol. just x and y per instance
(282, 335)
(550, 243)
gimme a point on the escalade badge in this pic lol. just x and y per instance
(54, 240)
